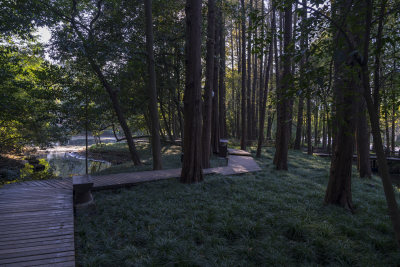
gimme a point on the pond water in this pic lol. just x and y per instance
(66, 164)
(64, 160)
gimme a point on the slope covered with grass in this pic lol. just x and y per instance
(263, 218)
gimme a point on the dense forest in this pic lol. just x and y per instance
(314, 76)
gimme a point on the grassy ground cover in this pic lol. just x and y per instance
(263, 218)
(118, 154)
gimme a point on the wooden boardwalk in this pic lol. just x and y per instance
(37, 218)
(37, 224)
(236, 165)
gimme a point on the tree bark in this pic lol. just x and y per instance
(155, 121)
(316, 128)
(248, 96)
(282, 144)
(222, 89)
(323, 118)
(191, 168)
(118, 111)
(309, 144)
(208, 90)
(374, 119)
(338, 191)
(265, 96)
(243, 139)
(362, 135)
(254, 86)
(303, 47)
(215, 126)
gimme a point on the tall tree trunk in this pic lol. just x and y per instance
(222, 89)
(118, 111)
(209, 87)
(277, 79)
(239, 70)
(328, 122)
(339, 187)
(270, 121)
(265, 95)
(362, 135)
(191, 168)
(243, 139)
(393, 128)
(309, 144)
(281, 152)
(374, 119)
(323, 131)
(338, 191)
(254, 86)
(291, 100)
(316, 128)
(233, 99)
(303, 47)
(177, 98)
(248, 96)
(167, 127)
(394, 105)
(387, 135)
(155, 122)
(215, 126)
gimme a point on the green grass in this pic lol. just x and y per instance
(264, 218)
(118, 154)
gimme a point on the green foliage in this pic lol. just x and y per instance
(263, 218)
(28, 103)
(29, 172)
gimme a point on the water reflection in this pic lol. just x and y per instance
(64, 164)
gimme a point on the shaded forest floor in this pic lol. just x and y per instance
(263, 218)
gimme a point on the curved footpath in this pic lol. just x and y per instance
(37, 218)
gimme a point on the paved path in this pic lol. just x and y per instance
(37, 224)
(37, 219)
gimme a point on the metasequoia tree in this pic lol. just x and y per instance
(362, 137)
(208, 89)
(243, 137)
(264, 94)
(283, 102)
(222, 72)
(303, 47)
(345, 82)
(152, 90)
(374, 119)
(191, 168)
(215, 126)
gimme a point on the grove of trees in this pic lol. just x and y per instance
(292, 74)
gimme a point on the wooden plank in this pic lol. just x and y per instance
(33, 208)
(47, 256)
(60, 233)
(34, 229)
(33, 243)
(35, 220)
(28, 251)
(67, 261)
(36, 225)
